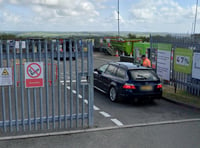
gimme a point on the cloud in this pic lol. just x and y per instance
(161, 15)
(165, 11)
(8, 18)
(61, 5)
(95, 15)
(100, 4)
(55, 12)
(84, 8)
(60, 8)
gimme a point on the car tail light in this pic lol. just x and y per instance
(129, 86)
(159, 86)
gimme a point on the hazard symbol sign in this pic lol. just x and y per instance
(5, 72)
(5, 76)
(34, 75)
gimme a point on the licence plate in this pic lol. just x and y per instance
(146, 88)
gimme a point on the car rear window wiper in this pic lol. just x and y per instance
(141, 77)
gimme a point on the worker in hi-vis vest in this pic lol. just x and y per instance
(146, 62)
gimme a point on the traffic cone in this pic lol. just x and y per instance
(117, 54)
(131, 54)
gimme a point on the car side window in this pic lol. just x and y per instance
(121, 73)
(111, 70)
(103, 68)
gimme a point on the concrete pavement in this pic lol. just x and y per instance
(183, 134)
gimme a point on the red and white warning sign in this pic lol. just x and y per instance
(34, 74)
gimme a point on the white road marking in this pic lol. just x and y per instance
(86, 101)
(105, 114)
(73, 81)
(74, 91)
(96, 108)
(117, 122)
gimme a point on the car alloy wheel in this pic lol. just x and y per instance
(113, 94)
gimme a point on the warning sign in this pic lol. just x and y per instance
(34, 75)
(5, 76)
(34, 70)
(5, 72)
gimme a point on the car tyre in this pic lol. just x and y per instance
(113, 94)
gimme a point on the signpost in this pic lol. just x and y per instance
(34, 74)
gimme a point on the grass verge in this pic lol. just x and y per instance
(181, 96)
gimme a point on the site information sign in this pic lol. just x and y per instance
(17, 43)
(183, 60)
(5, 76)
(196, 66)
(34, 74)
(163, 61)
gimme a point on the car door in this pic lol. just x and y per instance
(98, 76)
(121, 78)
(108, 77)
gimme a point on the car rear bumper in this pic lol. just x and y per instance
(152, 95)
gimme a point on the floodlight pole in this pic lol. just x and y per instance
(195, 20)
(118, 19)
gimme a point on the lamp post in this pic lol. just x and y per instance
(118, 19)
(195, 19)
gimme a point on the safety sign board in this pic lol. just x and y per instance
(163, 61)
(5, 76)
(196, 66)
(34, 74)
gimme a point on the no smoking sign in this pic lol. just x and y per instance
(34, 75)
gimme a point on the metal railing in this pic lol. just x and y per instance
(180, 80)
(65, 98)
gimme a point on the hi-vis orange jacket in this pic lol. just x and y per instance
(146, 62)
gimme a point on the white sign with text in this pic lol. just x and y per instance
(163, 64)
(196, 66)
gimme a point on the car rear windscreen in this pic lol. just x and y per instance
(143, 75)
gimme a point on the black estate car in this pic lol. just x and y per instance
(127, 80)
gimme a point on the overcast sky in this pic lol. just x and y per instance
(175, 16)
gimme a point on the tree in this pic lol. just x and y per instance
(132, 36)
(6, 36)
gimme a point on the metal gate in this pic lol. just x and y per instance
(45, 85)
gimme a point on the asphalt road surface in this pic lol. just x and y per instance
(126, 112)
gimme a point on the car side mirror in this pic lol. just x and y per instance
(97, 71)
